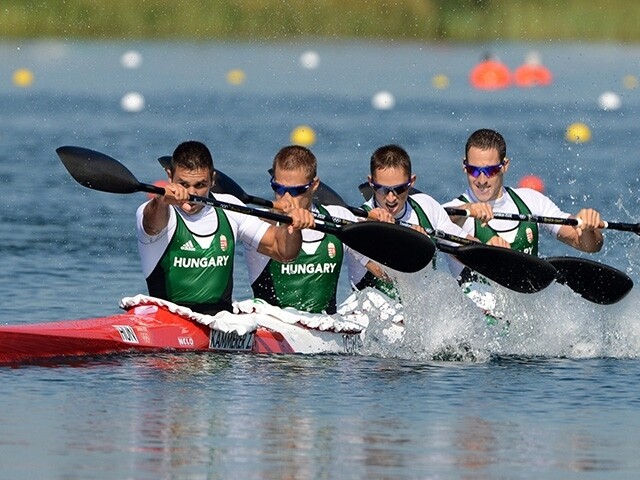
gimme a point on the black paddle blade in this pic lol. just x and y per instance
(165, 162)
(325, 195)
(400, 248)
(97, 171)
(226, 184)
(515, 270)
(594, 281)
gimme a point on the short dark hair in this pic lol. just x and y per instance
(294, 157)
(390, 156)
(486, 139)
(191, 155)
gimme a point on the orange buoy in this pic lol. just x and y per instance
(532, 73)
(532, 76)
(490, 74)
(533, 182)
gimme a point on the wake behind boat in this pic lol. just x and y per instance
(153, 325)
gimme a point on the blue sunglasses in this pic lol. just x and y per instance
(489, 171)
(293, 190)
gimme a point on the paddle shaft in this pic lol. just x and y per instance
(225, 184)
(361, 212)
(266, 214)
(527, 217)
(357, 235)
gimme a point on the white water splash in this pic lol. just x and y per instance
(441, 323)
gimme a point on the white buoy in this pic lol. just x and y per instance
(310, 60)
(383, 100)
(132, 102)
(131, 59)
(609, 101)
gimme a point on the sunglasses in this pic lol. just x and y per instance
(396, 189)
(293, 190)
(489, 171)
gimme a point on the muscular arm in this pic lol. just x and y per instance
(283, 242)
(279, 244)
(587, 237)
(155, 215)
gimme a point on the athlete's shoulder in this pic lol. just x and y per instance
(529, 194)
(227, 198)
(424, 199)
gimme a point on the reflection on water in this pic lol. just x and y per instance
(554, 397)
(200, 416)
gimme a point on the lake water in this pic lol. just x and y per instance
(556, 398)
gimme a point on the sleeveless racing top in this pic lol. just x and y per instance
(388, 288)
(526, 239)
(309, 282)
(196, 277)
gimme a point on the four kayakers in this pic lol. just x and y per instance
(187, 249)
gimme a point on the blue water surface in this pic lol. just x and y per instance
(556, 399)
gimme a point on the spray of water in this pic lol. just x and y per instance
(440, 322)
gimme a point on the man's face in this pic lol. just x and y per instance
(485, 173)
(391, 187)
(197, 182)
(290, 184)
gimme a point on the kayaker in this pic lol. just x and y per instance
(310, 282)
(485, 164)
(391, 180)
(187, 249)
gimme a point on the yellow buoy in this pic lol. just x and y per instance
(236, 77)
(303, 135)
(578, 133)
(22, 77)
(630, 82)
(440, 81)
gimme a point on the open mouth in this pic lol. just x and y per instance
(392, 207)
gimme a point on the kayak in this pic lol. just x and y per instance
(151, 325)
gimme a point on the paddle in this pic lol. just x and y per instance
(610, 285)
(524, 217)
(514, 270)
(225, 184)
(324, 195)
(414, 251)
(594, 281)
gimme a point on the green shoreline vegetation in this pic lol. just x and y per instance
(278, 20)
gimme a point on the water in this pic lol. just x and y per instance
(556, 398)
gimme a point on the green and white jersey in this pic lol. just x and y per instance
(192, 272)
(514, 200)
(310, 282)
(191, 261)
(523, 236)
(420, 209)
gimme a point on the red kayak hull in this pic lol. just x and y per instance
(147, 330)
